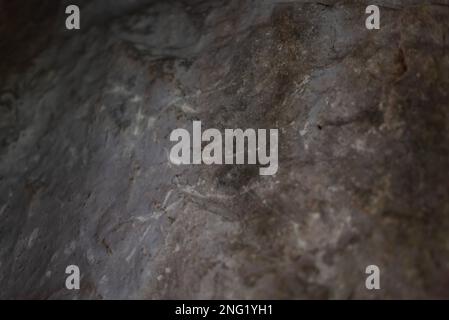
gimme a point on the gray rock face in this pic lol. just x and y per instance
(85, 179)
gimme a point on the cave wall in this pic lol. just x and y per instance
(85, 179)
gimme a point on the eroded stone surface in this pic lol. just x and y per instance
(363, 175)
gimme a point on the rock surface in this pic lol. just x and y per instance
(85, 118)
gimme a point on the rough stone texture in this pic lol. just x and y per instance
(85, 119)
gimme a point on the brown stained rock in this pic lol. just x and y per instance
(363, 154)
